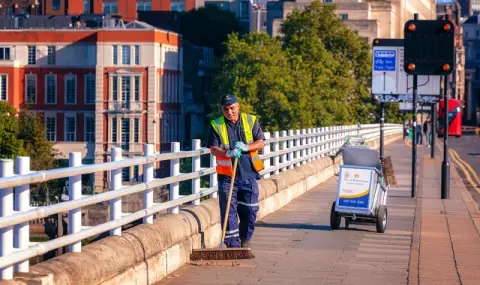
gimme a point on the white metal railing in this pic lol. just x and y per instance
(283, 150)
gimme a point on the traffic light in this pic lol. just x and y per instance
(429, 47)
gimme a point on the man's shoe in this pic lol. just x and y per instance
(246, 243)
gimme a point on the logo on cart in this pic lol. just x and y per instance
(347, 175)
(356, 176)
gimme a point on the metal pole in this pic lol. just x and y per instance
(414, 138)
(382, 127)
(445, 163)
(259, 10)
(433, 134)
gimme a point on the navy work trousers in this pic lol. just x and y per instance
(244, 204)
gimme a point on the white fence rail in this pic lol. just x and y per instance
(283, 150)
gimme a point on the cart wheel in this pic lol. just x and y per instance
(381, 219)
(335, 218)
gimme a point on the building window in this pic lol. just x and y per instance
(50, 89)
(136, 130)
(125, 54)
(31, 94)
(343, 16)
(125, 134)
(90, 89)
(135, 173)
(86, 6)
(55, 4)
(114, 88)
(224, 5)
(177, 6)
(32, 54)
(70, 89)
(137, 55)
(137, 88)
(125, 91)
(89, 129)
(70, 129)
(3, 87)
(110, 8)
(126, 174)
(115, 54)
(244, 9)
(114, 130)
(144, 6)
(4, 53)
(51, 128)
(52, 51)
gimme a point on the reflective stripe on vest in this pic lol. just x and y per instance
(224, 164)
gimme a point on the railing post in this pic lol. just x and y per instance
(283, 144)
(75, 193)
(22, 203)
(318, 139)
(266, 151)
(6, 209)
(116, 184)
(174, 171)
(213, 176)
(290, 145)
(276, 148)
(309, 144)
(304, 143)
(195, 168)
(297, 144)
(148, 169)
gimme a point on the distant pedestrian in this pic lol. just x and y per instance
(478, 117)
(418, 129)
(427, 129)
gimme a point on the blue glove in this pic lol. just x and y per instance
(234, 153)
(241, 146)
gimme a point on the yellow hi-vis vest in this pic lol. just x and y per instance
(224, 164)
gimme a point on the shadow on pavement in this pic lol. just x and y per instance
(294, 226)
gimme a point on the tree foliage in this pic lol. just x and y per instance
(23, 134)
(317, 74)
(209, 26)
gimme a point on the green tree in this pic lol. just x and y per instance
(209, 26)
(32, 133)
(10, 145)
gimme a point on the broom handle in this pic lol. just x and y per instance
(229, 199)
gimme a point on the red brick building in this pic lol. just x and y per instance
(97, 88)
(126, 8)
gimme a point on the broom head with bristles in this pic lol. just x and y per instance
(222, 254)
(388, 171)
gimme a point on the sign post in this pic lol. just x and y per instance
(392, 84)
(429, 50)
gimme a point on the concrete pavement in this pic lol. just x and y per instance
(296, 246)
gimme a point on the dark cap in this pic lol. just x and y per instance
(229, 99)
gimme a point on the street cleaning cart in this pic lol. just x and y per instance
(361, 194)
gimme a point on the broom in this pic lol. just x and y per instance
(223, 253)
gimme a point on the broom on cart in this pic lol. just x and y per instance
(223, 253)
(388, 172)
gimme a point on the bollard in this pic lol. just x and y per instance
(6, 209)
(283, 144)
(196, 167)
(213, 176)
(22, 204)
(174, 171)
(115, 184)
(147, 177)
(75, 193)
(276, 148)
(266, 151)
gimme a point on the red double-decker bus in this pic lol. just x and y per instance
(454, 117)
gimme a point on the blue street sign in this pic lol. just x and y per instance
(384, 60)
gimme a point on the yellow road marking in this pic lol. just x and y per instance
(467, 166)
(456, 160)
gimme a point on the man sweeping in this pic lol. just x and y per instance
(237, 135)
